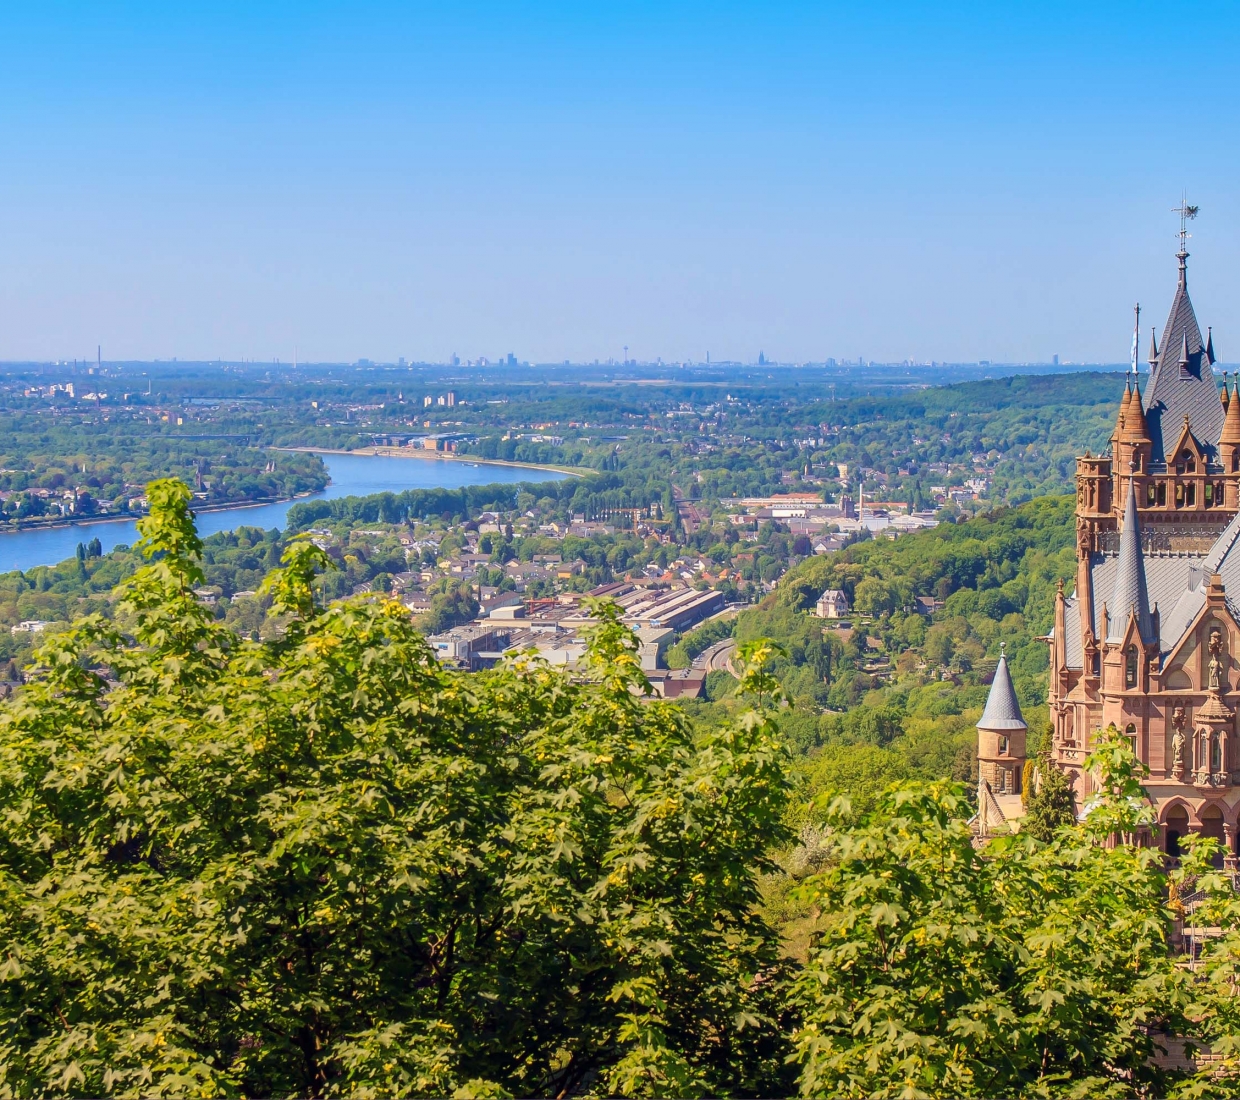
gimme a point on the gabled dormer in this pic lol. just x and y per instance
(1187, 457)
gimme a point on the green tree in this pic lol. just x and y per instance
(327, 866)
(1025, 970)
(1050, 805)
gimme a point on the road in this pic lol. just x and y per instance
(718, 658)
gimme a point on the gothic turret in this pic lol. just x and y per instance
(1229, 440)
(1001, 735)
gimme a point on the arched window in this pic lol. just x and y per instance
(1176, 826)
(1130, 731)
(1130, 667)
(1004, 745)
(1179, 495)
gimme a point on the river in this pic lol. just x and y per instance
(351, 475)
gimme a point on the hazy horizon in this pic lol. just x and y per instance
(953, 184)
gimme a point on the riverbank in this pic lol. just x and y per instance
(442, 456)
(54, 523)
(352, 474)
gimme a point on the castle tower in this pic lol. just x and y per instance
(1001, 736)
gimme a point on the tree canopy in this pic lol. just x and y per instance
(324, 865)
(327, 866)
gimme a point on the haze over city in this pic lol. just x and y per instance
(953, 183)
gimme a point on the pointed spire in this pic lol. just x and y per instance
(1153, 347)
(1184, 352)
(1210, 344)
(1002, 708)
(1231, 423)
(1136, 429)
(1124, 403)
(1224, 395)
(1131, 596)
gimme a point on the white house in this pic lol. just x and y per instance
(832, 604)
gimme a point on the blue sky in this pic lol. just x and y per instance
(946, 181)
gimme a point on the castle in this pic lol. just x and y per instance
(1149, 640)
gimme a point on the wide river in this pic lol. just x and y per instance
(351, 476)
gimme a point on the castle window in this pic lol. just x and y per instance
(1130, 667)
(1189, 462)
(1190, 495)
(1130, 731)
(1179, 495)
(1218, 494)
(1162, 494)
(1209, 496)
(1003, 746)
(1149, 495)
(1216, 754)
(1235, 462)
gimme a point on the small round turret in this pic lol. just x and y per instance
(1001, 733)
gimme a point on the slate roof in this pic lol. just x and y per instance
(1168, 579)
(1002, 709)
(1178, 389)
(1129, 596)
(1074, 648)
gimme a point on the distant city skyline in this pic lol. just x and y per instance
(953, 183)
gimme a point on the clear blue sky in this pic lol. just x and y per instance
(935, 181)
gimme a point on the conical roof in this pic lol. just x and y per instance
(1135, 428)
(1153, 360)
(1130, 596)
(1210, 346)
(1224, 395)
(1002, 710)
(1121, 417)
(1231, 424)
(1181, 381)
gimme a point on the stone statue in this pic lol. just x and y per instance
(1216, 666)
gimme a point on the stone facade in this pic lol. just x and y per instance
(1149, 640)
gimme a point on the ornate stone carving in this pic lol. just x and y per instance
(1216, 666)
(1177, 743)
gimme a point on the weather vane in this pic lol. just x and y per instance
(1187, 214)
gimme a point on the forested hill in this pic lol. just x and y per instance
(992, 578)
(896, 693)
